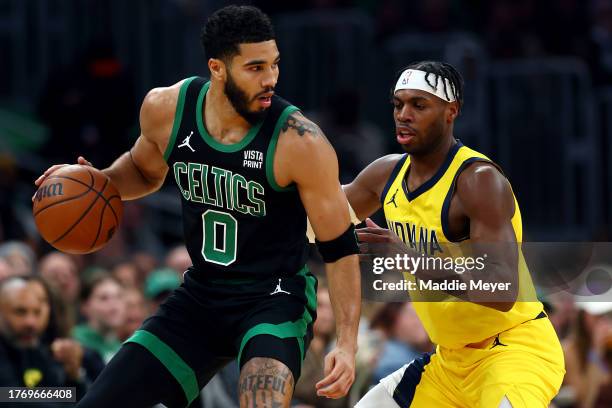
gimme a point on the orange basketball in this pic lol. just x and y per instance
(77, 209)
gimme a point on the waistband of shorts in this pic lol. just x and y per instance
(482, 343)
(202, 278)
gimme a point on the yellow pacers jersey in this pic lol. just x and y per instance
(420, 219)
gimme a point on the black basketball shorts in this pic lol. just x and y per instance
(205, 324)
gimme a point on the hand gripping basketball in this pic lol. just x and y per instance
(76, 208)
(41, 178)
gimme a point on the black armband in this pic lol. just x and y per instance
(339, 247)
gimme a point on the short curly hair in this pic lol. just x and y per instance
(230, 26)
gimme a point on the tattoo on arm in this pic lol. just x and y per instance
(302, 126)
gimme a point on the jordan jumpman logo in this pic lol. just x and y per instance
(392, 200)
(186, 142)
(278, 289)
(496, 342)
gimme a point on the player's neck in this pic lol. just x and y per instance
(220, 118)
(426, 165)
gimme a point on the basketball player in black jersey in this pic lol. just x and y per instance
(248, 167)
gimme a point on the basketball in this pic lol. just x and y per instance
(77, 209)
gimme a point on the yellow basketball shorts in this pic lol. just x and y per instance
(525, 364)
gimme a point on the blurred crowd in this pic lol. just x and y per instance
(63, 317)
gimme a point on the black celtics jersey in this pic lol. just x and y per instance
(238, 223)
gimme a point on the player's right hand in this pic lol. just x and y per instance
(55, 167)
(339, 373)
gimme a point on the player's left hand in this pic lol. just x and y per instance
(339, 373)
(374, 234)
(80, 160)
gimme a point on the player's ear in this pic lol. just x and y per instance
(452, 111)
(217, 69)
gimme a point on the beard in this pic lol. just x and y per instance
(240, 101)
(24, 339)
(430, 140)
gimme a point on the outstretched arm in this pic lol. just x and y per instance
(309, 160)
(364, 192)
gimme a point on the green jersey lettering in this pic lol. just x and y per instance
(193, 182)
(219, 174)
(200, 189)
(180, 167)
(229, 198)
(205, 192)
(237, 181)
(259, 209)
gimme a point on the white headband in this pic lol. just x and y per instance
(415, 79)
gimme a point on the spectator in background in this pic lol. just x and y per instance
(19, 256)
(103, 306)
(562, 312)
(64, 308)
(26, 361)
(405, 336)
(61, 272)
(588, 356)
(145, 263)
(178, 259)
(159, 285)
(313, 366)
(135, 312)
(127, 273)
(5, 269)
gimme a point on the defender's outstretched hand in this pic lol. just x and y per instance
(373, 233)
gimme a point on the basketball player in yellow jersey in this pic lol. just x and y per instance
(490, 353)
